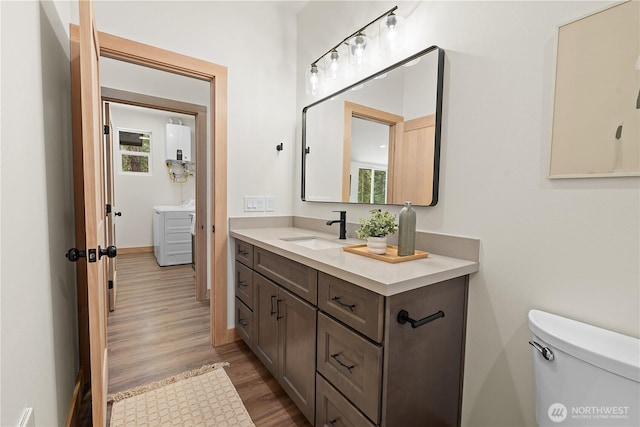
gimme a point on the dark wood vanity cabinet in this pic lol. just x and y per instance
(282, 326)
(340, 351)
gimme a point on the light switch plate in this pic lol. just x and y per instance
(270, 203)
(254, 203)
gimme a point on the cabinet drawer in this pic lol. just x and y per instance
(296, 277)
(244, 322)
(359, 308)
(244, 253)
(351, 363)
(333, 410)
(244, 284)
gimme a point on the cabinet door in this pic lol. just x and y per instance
(297, 331)
(265, 301)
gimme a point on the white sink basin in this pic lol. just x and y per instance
(313, 242)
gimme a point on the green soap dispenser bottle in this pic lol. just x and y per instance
(407, 230)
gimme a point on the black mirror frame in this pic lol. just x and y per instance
(437, 142)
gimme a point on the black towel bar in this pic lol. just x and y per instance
(403, 317)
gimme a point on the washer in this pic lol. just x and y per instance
(172, 234)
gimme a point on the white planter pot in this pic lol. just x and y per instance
(377, 245)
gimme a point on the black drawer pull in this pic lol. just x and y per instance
(243, 322)
(272, 307)
(403, 317)
(349, 306)
(348, 367)
(243, 252)
(242, 283)
(278, 317)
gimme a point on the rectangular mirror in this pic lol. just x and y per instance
(378, 140)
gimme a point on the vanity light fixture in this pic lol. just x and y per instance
(332, 65)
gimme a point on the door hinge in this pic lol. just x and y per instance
(213, 228)
(108, 208)
(105, 129)
(110, 284)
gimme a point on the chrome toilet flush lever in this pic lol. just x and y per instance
(544, 351)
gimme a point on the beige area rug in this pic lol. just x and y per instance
(202, 397)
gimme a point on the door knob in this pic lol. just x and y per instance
(117, 213)
(109, 251)
(74, 254)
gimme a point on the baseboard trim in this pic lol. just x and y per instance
(136, 250)
(76, 400)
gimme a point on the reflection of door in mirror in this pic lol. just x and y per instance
(368, 136)
(412, 161)
(369, 161)
(386, 157)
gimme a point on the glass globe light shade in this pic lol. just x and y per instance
(357, 49)
(391, 35)
(312, 80)
(334, 64)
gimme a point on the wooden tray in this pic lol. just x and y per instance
(390, 256)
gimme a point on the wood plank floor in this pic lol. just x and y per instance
(158, 329)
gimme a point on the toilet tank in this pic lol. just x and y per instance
(593, 377)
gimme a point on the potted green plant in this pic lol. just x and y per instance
(375, 230)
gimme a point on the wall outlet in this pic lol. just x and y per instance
(254, 203)
(270, 203)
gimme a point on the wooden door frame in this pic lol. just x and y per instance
(200, 113)
(351, 109)
(149, 56)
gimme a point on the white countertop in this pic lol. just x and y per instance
(381, 277)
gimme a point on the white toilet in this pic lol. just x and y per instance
(584, 375)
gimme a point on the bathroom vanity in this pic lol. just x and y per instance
(354, 341)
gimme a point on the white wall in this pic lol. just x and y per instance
(570, 247)
(39, 350)
(135, 195)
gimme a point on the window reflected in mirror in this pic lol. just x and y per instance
(372, 186)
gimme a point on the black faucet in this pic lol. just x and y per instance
(343, 224)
